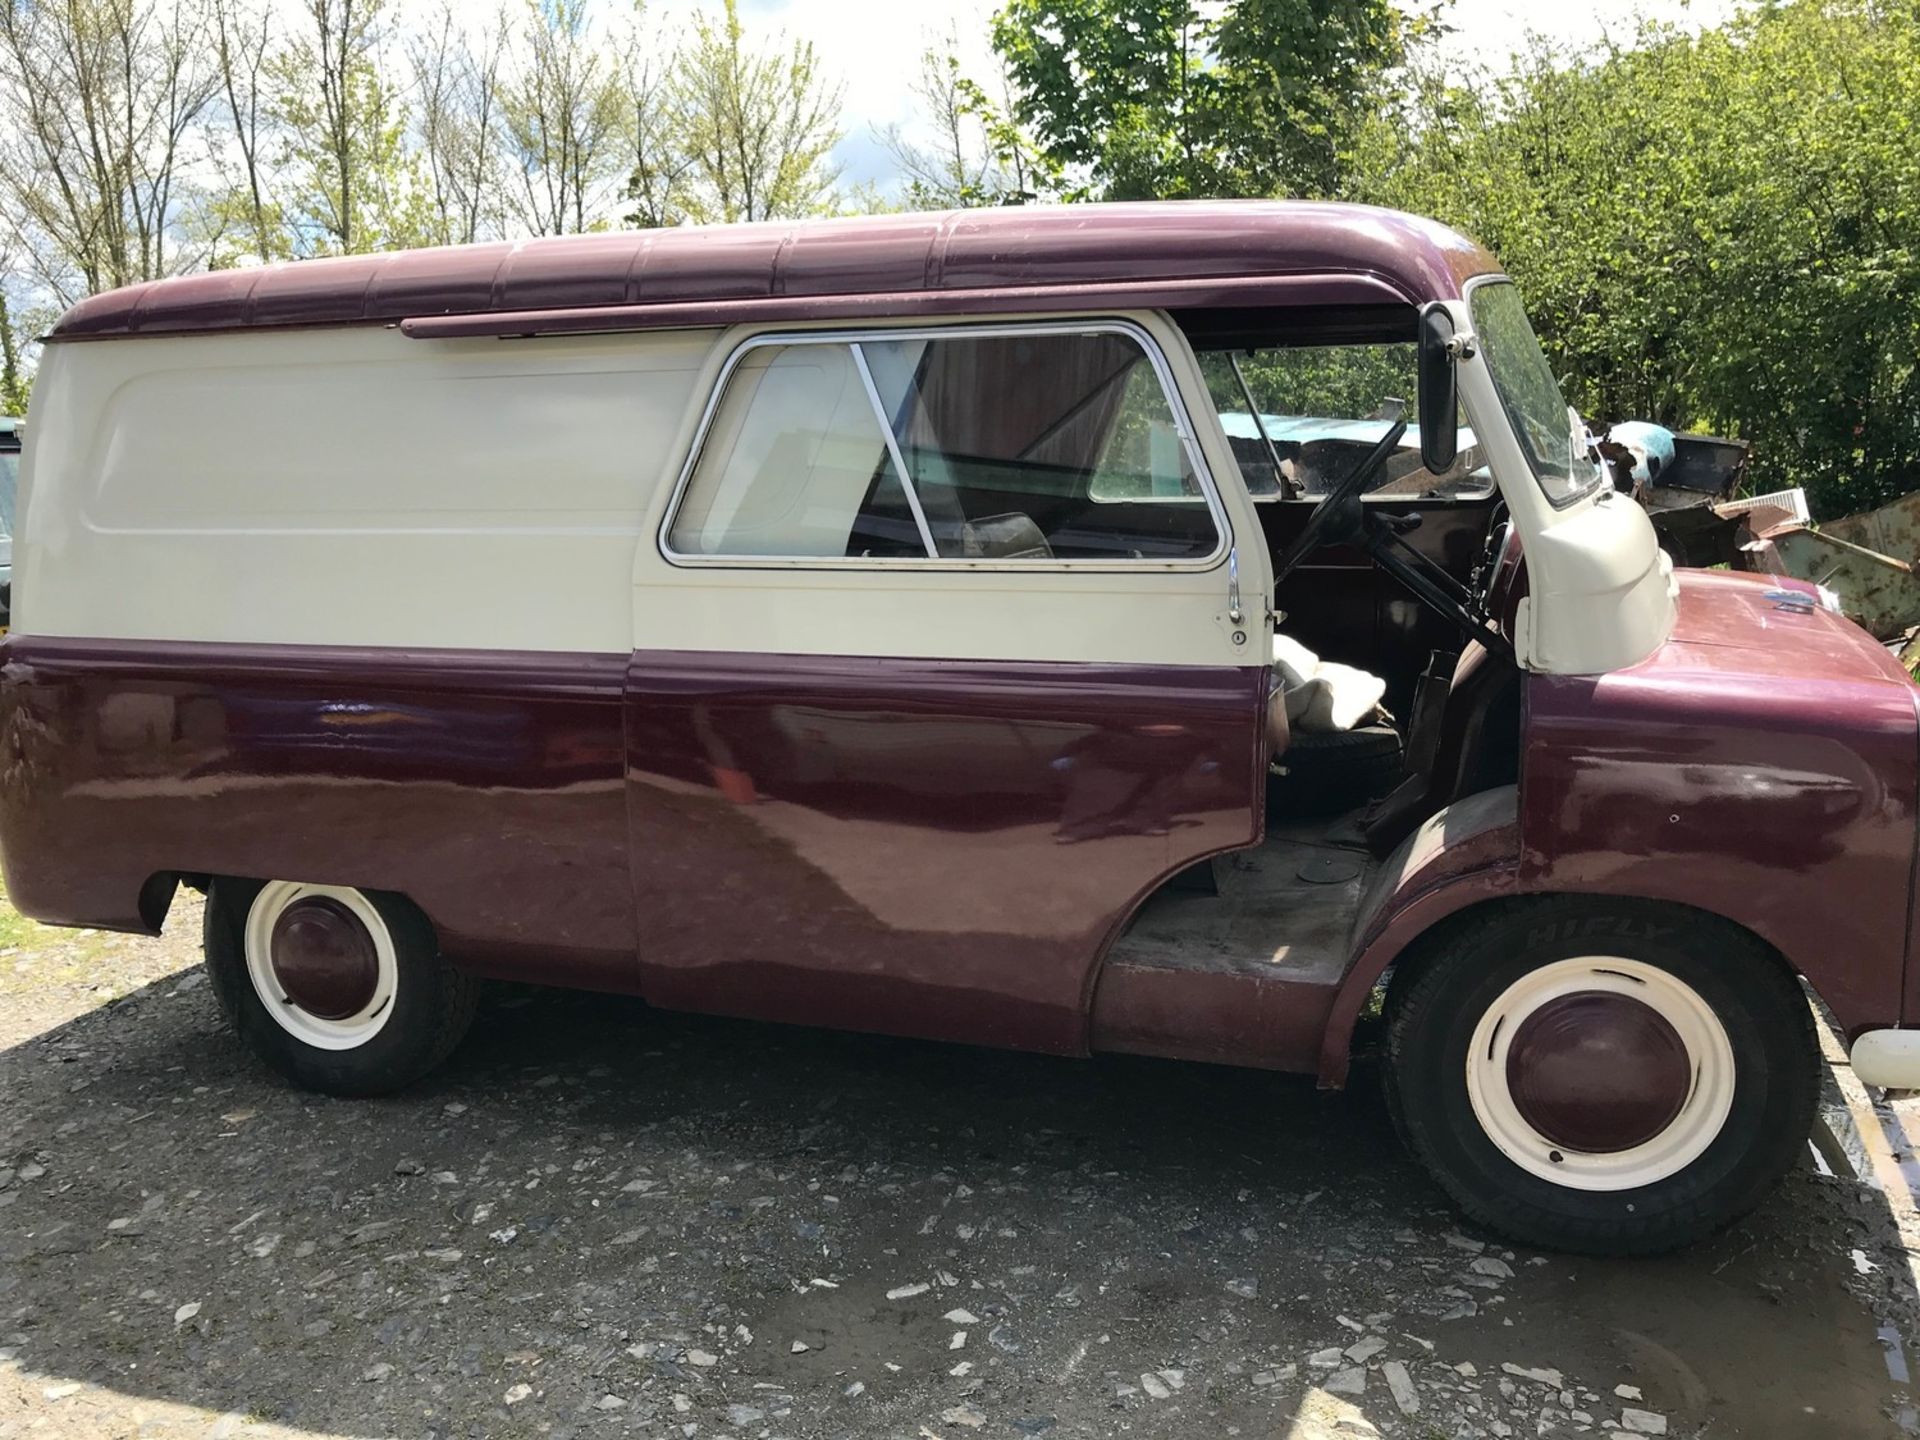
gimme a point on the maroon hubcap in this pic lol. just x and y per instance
(1598, 1072)
(324, 958)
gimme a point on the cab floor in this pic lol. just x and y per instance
(1285, 910)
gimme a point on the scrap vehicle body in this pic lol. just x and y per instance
(888, 644)
(1691, 496)
(1866, 561)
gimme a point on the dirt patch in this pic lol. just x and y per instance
(598, 1220)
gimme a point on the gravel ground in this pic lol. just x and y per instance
(601, 1221)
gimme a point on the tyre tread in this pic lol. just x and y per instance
(1673, 1227)
(454, 997)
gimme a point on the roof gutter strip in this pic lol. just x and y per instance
(1208, 293)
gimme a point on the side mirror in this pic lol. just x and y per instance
(1439, 396)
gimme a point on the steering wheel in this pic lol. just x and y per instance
(1331, 516)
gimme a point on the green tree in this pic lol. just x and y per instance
(1297, 80)
(744, 131)
(15, 383)
(968, 161)
(457, 83)
(242, 34)
(1144, 99)
(563, 112)
(1717, 231)
(100, 103)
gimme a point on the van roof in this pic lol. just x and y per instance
(1181, 254)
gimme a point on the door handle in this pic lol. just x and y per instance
(1234, 612)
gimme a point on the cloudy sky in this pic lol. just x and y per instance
(874, 45)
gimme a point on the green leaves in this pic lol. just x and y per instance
(737, 131)
(1715, 231)
(352, 179)
(15, 383)
(1156, 99)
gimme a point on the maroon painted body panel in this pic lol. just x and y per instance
(999, 260)
(933, 848)
(484, 785)
(1466, 854)
(861, 308)
(1221, 1017)
(943, 848)
(915, 847)
(1762, 765)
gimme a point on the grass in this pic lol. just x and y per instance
(42, 957)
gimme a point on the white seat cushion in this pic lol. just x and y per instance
(1321, 695)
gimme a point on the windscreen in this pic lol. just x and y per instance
(1530, 395)
(9, 482)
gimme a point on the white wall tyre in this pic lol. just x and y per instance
(340, 990)
(1609, 1077)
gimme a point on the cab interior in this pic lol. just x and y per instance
(1448, 724)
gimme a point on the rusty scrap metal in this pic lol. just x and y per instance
(1870, 561)
(1867, 560)
(1683, 498)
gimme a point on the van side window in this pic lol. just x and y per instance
(1025, 447)
(795, 464)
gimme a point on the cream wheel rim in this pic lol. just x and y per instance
(1600, 1073)
(322, 962)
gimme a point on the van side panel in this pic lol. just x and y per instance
(485, 785)
(348, 487)
(920, 846)
(337, 606)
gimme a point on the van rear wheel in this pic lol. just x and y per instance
(1603, 1077)
(340, 990)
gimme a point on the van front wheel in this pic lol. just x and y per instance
(340, 990)
(1601, 1076)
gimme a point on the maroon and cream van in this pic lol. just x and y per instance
(1185, 629)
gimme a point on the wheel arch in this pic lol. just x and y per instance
(1399, 958)
(1467, 857)
(1466, 854)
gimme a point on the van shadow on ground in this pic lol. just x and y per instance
(626, 1222)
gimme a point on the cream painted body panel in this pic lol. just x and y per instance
(348, 487)
(1600, 592)
(1159, 619)
(1138, 614)
(1601, 562)
(353, 487)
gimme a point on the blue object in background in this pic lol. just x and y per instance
(1652, 447)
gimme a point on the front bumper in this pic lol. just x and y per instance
(1888, 1058)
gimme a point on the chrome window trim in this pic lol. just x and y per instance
(907, 485)
(1182, 421)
